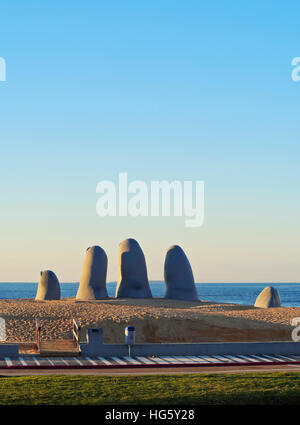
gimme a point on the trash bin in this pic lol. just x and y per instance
(130, 335)
(129, 338)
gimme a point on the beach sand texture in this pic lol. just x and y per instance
(156, 320)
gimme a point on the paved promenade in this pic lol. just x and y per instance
(38, 362)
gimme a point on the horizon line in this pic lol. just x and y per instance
(162, 281)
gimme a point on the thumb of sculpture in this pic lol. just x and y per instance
(268, 298)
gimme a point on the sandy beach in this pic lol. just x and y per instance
(156, 320)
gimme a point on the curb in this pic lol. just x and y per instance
(145, 366)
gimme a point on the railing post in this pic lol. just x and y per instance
(38, 332)
(76, 331)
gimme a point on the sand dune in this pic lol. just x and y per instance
(156, 320)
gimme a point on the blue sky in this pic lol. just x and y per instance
(160, 90)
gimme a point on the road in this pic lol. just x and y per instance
(153, 371)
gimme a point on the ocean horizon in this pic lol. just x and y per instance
(237, 293)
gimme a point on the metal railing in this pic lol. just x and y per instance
(38, 332)
(76, 332)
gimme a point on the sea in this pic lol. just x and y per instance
(237, 293)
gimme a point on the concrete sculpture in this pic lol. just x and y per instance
(93, 275)
(179, 279)
(269, 297)
(48, 287)
(133, 279)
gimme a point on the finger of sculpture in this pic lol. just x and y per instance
(133, 278)
(92, 284)
(179, 279)
(48, 286)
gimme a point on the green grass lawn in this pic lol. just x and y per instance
(250, 388)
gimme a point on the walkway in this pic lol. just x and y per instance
(36, 362)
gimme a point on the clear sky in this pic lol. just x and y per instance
(161, 90)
